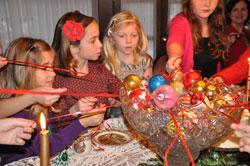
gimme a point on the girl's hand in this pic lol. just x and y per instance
(3, 61)
(47, 100)
(174, 62)
(14, 131)
(95, 119)
(217, 79)
(85, 103)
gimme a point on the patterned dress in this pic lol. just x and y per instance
(140, 69)
(98, 80)
(126, 69)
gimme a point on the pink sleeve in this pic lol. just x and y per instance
(177, 31)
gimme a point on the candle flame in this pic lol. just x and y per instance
(248, 60)
(43, 121)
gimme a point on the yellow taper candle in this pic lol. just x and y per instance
(44, 143)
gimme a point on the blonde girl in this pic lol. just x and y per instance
(125, 46)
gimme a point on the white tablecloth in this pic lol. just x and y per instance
(130, 154)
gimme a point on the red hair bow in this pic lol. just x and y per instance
(73, 30)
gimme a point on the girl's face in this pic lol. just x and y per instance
(239, 13)
(126, 40)
(90, 46)
(45, 76)
(203, 8)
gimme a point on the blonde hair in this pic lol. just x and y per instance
(21, 76)
(119, 20)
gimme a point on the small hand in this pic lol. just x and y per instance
(47, 100)
(14, 131)
(173, 62)
(95, 119)
(84, 103)
(3, 61)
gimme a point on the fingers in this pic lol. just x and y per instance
(241, 127)
(20, 122)
(173, 63)
(28, 129)
(87, 102)
(244, 144)
(19, 141)
(24, 136)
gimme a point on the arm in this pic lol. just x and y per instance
(237, 72)
(13, 131)
(175, 43)
(13, 105)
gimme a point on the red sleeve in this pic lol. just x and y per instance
(237, 72)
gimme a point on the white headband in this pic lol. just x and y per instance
(113, 23)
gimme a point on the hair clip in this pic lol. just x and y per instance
(110, 32)
(30, 48)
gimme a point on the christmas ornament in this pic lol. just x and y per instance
(132, 82)
(198, 86)
(190, 78)
(178, 86)
(176, 75)
(156, 81)
(211, 91)
(165, 96)
(166, 76)
(141, 98)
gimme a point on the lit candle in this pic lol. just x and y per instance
(248, 79)
(44, 143)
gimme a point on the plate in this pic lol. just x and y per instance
(112, 137)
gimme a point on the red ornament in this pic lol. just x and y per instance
(196, 99)
(166, 76)
(141, 98)
(190, 78)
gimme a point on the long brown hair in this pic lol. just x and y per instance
(21, 76)
(61, 44)
(217, 29)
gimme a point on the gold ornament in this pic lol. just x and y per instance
(172, 130)
(178, 86)
(218, 103)
(211, 91)
(176, 75)
(198, 86)
(132, 82)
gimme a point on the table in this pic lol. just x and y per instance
(130, 154)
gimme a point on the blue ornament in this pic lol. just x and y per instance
(156, 81)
